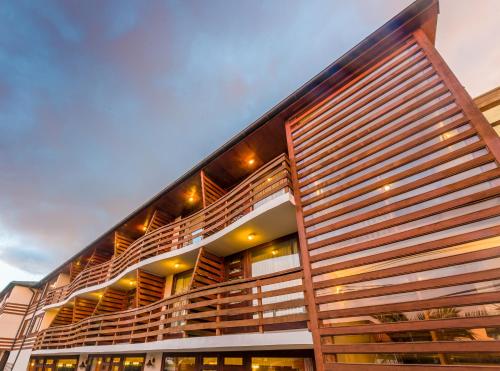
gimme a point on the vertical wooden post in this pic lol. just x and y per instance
(203, 190)
(462, 98)
(304, 254)
(259, 303)
(217, 318)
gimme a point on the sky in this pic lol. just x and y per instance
(103, 103)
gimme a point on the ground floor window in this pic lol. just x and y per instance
(69, 363)
(245, 361)
(115, 363)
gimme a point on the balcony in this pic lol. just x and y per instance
(257, 305)
(268, 182)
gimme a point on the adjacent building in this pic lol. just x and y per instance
(355, 226)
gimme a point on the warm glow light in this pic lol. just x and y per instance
(447, 136)
(191, 199)
(177, 265)
(144, 228)
(255, 366)
(274, 252)
(100, 295)
(251, 161)
(78, 263)
(387, 187)
(251, 237)
(131, 282)
(269, 179)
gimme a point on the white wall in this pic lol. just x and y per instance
(9, 324)
(22, 360)
(20, 295)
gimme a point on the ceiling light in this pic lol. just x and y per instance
(387, 187)
(274, 252)
(251, 237)
(177, 265)
(251, 161)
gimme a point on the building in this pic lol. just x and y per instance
(355, 226)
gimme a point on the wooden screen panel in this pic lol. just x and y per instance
(83, 308)
(159, 219)
(210, 191)
(122, 242)
(99, 256)
(111, 301)
(75, 268)
(63, 317)
(397, 186)
(150, 288)
(208, 270)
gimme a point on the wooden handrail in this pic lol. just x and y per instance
(268, 180)
(262, 306)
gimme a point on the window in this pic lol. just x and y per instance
(66, 364)
(133, 363)
(281, 364)
(274, 257)
(179, 364)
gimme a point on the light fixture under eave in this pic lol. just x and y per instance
(251, 237)
(274, 252)
(251, 161)
(176, 265)
(387, 187)
(131, 283)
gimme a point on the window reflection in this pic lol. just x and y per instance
(179, 364)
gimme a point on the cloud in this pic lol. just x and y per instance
(104, 103)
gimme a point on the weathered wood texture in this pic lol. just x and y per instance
(392, 171)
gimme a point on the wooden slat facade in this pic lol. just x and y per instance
(210, 191)
(272, 178)
(158, 220)
(122, 243)
(398, 190)
(166, 318)
(150, 288)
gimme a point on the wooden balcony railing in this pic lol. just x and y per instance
(268, 303)
(270, 180)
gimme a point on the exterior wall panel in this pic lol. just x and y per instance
(397, 184)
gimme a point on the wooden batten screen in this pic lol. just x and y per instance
(210, 191)
(150, 288)
(98, 257)
(208, 270)
(159, 219)
(63, 317)
(75, 268)
(122, 242)
(111, 301)
(397, 186)
(83, 308)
